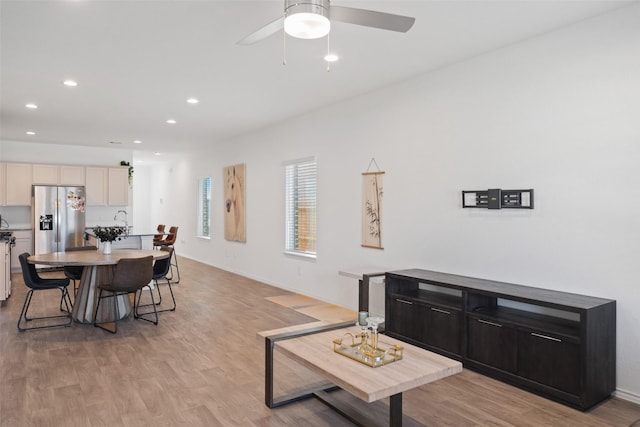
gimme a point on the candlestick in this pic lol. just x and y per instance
(362, 318)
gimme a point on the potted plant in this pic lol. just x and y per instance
(125, 163)
(107, 235)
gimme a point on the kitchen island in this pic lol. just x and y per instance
(135, 238)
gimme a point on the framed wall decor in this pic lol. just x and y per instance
(372, 192)
(235, 227)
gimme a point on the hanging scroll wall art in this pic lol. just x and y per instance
(372, 191)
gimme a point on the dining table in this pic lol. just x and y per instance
(98, 269)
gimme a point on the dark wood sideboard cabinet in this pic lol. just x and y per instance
(555, 344)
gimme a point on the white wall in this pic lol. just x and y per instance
(558, 113)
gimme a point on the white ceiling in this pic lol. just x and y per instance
(138, 61)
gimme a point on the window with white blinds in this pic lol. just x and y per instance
(300, 207)
(204, 207)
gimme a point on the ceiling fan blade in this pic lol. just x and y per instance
(264, 32)
(370, 18)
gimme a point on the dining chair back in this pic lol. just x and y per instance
(130, 276)
(36, 283)
(161, 269)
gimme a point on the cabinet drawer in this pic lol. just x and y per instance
(493, 344)
(443, 329)
(406, 318)
(549, 360)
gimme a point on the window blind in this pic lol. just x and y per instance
(300, 209)
(204, 207)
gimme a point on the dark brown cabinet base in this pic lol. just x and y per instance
(559, 345)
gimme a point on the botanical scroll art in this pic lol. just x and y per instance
(372, 210)
(235, 227)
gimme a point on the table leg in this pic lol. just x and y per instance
(86, 299)
(395, 410)
(269, 398)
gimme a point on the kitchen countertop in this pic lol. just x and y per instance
(132, 231)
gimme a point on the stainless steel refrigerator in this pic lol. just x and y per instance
(58, 217)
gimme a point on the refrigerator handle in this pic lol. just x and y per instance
(57, 219)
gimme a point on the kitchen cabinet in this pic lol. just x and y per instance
(24, 243)
(71, 175)
(96, 186)
(555, 344)
(18, 184)
(118, 187)
(107, 186)
(44, 174)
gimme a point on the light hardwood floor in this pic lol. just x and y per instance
(202, 365)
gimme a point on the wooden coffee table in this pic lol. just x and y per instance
(313, 348)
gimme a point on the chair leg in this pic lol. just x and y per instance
(174, 257)
(67, 301)
(95, 314)
(150, 291)
(157, 286)
(173, 298)
(140, 316)
(25, 309)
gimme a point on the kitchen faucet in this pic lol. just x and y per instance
(126, 222)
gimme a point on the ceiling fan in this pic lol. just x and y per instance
(311, 19)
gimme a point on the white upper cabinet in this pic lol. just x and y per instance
(44, 174)
(96, 186)
(104, 186)
(17, 184)
(118, 187)
(71, 175)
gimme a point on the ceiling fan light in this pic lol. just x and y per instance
(307, 19)
(307, 25)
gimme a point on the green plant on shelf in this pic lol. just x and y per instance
(130, 170)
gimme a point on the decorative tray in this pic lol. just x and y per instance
(365, 353)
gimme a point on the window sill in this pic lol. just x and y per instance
(204, 237)
(310, 257)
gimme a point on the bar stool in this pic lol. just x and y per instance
(158, 238)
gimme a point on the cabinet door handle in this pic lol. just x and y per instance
(404, 301)
(486, 322)
(546, 337)
(440, 310)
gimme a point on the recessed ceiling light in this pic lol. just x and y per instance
(137, 141)
(157, 153)
(331, 57)
(171, 122)
(30, 132)
(193, 100)
(70, 83)
(32, 106)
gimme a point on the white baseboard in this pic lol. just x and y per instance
(627, 395)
